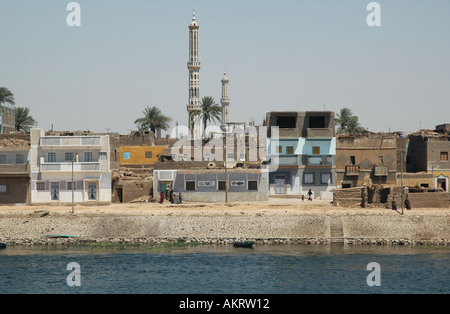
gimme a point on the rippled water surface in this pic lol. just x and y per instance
(265, 269)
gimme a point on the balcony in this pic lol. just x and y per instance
(352, 170)
(314, 160)
(193, 64)
(14, 169)
(67, 167)
(312, 133)
(70, 141)
(381, 170)
(286, 160)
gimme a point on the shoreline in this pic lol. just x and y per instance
(278, 221)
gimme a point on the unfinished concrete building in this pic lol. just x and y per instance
(302, 153)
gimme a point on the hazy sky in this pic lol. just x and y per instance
(279, 55)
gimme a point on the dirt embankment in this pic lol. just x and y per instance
(274, 221)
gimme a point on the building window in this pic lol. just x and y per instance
(190, 185)
(252, 185)
(88, 156)
(148, 155)
(40, 186)
(2, 159)
(222, 186)
(69, 185)
(325, 178)
(51, 157)
(68, 157)
(316, 150)
(19, 159)
(126, 155)
(444, 156)
(3, 189)
(352, 160)
(290, 150)
(279, 149)
(308, 178)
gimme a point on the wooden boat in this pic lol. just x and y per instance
(245, 244)
(61, 235)
(2, 245)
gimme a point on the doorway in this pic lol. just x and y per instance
(280, 185)
(442, 183)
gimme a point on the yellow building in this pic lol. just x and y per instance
(140, 155)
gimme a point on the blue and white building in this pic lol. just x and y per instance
(302, 150)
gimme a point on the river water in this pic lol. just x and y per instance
(205, 269)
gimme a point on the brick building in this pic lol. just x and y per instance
(14, 168)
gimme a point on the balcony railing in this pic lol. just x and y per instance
(319, 133)
(352, 170)
(67, 167)
(381, 170)
(314, 160)
(18, 169)
(288, 160)
(70, 141)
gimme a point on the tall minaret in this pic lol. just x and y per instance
(225, 101)
(194, 107)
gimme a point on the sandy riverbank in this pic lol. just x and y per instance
(276, 220)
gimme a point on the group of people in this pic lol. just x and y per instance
(172, 197)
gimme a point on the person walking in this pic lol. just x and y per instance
(310, 193)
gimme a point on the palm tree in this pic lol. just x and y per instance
(348, 123)
(153, 119)
(24, 122)
(6, 96)
(210, 111)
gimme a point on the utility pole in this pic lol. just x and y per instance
(226, 182)
(402, 178)
(73, 198)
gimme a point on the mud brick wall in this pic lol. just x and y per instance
(134, 189)
(349, 197)
(429, 200)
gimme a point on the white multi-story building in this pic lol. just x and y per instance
(69, 168)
